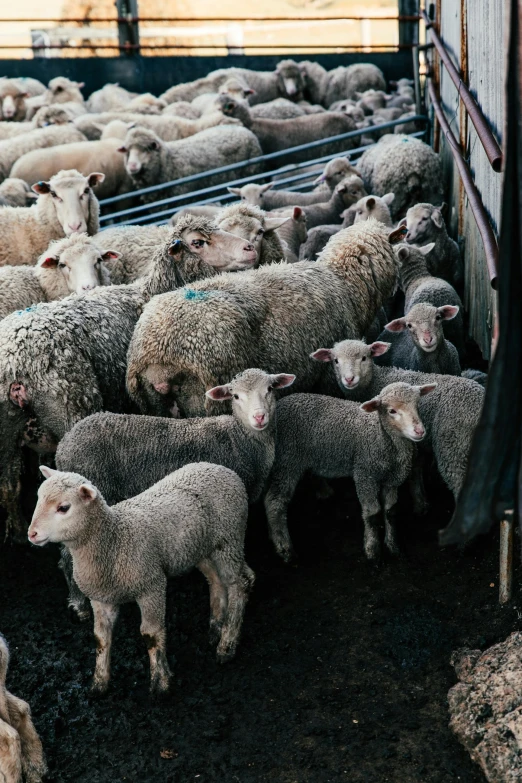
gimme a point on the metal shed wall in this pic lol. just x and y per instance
(473, 32)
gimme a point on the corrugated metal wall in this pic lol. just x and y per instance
(473, 32)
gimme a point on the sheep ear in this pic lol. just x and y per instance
(341, 187)
(41, 187)
(448, 312)
(323, 355)
(235, 191)
(87, 493)
(297, 213)
(425, 249)
(319, 179)
(248, 91)
(397, 235)
(266, 187)
(96, 178)
(378, 348)
(426, 389)
(370, 202)
(398, 325)
(80, 85)
(122, 149)
(443, 207)
(371, 405)
(175, 248)
(272, 223)
(403, 252)
(282, 380)
(49, 263)
(47, 472)
(219, 393)
(388, 198)
(402, 222)
(110, 254)
(437, 218)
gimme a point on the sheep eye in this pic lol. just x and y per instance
(270, 388)
(392, 411)
(260, 232)
(86, 192)
(363, 359)
(336, 361)
(53, 194)
(236, 396)
(438, 318)
(409, 326)
(198, 242)
(58, 89)
(61, 266)
(63, 508)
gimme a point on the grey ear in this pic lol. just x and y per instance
(235, 191)
(403, 253)
(437, 218)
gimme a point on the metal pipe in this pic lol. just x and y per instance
(475, 202)
(304, 48)
(488, 141)
(507, 526)
(177, 20)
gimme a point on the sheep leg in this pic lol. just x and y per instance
(218, 599)
(368, 494)
(277, 498)
(33, 762)
(105, 616)
(416, 486)
(77, 601)
(389, 501)
(10, 754)
(10, 490)
(153, 609)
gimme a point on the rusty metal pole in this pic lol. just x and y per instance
(409, 30)
(128, 29)
(507, 529)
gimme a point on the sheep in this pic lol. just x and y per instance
(405, 166)
(21, 752)
(450, 414)
(182, 109)
(425, 223)
(47, 115)
(194, 518)
(70, 265)
(409, 125)
(234, 86)
(335, 438)
(373, 207)
(276, 135)
(61, 361)
(12, 149)
(16, 193)
(253, 225)
(110, 97)
(149, 160)
(476, 375)
(335, 171)
(146, 103)
(263, 196)
(418, 341)
(420, 286)
(13, 97)
(167, 127)
(286, 81)
(64, 90)
(202, 335)
(280, 109)
(370, 101)
(203, 210)
(66, 205)
(293, 233)
(344, 194)
(311, 108)
(84, 156)
(313, 76)
(344, 82)
(137, 245)
(317, 240)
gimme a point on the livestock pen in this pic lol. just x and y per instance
(344, 665)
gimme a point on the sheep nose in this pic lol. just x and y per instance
(249, 247)
(349, 380)
(419, 430)
(260, 418)
(33, 536)
(88, 287)
(75, 226)
(428, 338)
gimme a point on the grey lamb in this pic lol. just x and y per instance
(425, 223)
(317, 240)
(334, 438)
(193, 518)
(263, 196)
(293, 233)
(418, 341)
(450, 414)
(373, 207)
(343, 195)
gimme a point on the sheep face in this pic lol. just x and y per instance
(252, 395)
(252, 229)
(335, 171)
(252, 193)
(74, 268)
(223, 250)
(424, 323)
(397, 408)
(12, 103)
(63, 90)
(142, 152)
(65, 504)
(230, 107)
(51, 115)
(352, 190)
(290, 80)
(71, 196)
(424, 223)
(352, 361)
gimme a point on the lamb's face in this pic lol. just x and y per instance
(424, 223)
(223, 250)
(397, 407)
(424, 323)
(251, 229)
(352, 191)
(63, 90)
(12, 104)
(290, 80)
(140, 157)
(252, 395)
(79, 268)
(352, 361)
(337, 170)
(63, 508)
(71, 199)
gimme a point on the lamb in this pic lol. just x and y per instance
(420, 286)
(137, 246)
(84, 156)
(314, 76)
(167, 127)
(370, 101)
(329, 211)
(335, 171)
(293, 233)
(335, 438)
(47, 115)
(66, 205)
(286, 81)
(276, 135)
(317, 240)
(21, 751)
(13, 96)
(405, 166)
(194, 518)
(110, 97)
(64, 90)
(12, 149)
(14, 192)
(425, 223)
(71, 265)
(146, 103)
(263, 196)
(61, 361)
(149, 160)
(419, 342)
(202, 335)
(280, 109)
(450, 414)
(234, 86)
(256, 228)
(345, 82)
(373, 207)
(182, 109)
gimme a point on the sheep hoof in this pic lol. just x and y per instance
(226, 653)
(287, 554)
(214, 633)
(77, 614)
(98, 689)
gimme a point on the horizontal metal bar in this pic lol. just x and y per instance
(488, 141)
(134, 19)
(264, 158)
(475, 201)
(285, 47)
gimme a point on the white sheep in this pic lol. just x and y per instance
(12, 149)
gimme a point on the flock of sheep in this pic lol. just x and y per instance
(178, 373)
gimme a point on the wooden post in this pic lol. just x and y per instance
(506, 557)
(128, 28)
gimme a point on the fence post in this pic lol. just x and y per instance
(128, 28)
(409, 31)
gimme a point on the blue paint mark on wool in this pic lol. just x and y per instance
(198, 296)
(27, 310)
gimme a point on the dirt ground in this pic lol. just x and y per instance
(341, 675)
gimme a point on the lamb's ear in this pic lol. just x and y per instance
(297, 213)
(122, 149)
(47, 472)
(266, 187)
(235, 191)
(398, 325)
(110, 254)
(388, 198)
(426, 389)
(41, 187)
(378, 348)
(87, 493)
(219, 393)
(443, 209)
(96, 178)
(370, 202)
(403, 252)
(425, 249)
(371, 405)
(402, 222)
(248, 91)
(320, 178)
(272, 223)
(175, 248)
(437, 218)
(80, 85)
(323, 355)
(448, 312)
(397, 235)
(48, 263)
(282, 380)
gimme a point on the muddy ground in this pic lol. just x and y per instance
(341, 675)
